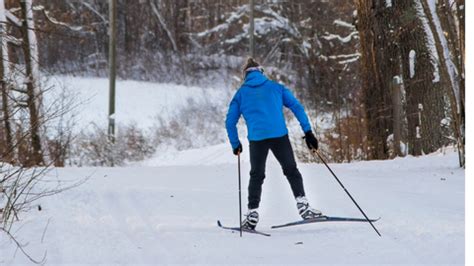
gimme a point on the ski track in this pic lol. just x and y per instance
(167, 215)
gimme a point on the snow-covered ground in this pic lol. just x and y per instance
(167, 214)
(164, 210)
(139, 102)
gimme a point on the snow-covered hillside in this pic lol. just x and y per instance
(168, 214)
(139, 102)
(171, 117)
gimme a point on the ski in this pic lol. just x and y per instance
(237, 229)
(324, 219)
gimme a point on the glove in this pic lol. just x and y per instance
(238, 149)
(311, 140)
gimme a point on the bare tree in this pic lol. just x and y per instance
(379, 65)
(5, 83)
(404, 64)
(33, 94)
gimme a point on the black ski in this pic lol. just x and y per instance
(324, 219)
(237, 229)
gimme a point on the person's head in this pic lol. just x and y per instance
(251, 65)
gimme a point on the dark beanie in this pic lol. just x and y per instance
(251, 63)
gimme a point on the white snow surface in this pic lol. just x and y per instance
(139, 102)
(167, 214)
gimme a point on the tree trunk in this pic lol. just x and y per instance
(450, 83)
(30, 49)
(379, 64)
(5, 84)
(425, 105)
(461, 18)
(451, 18)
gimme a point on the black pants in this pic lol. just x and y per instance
(283, 152)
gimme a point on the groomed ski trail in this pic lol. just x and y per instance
(167, 214)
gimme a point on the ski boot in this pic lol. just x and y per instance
(305, 211)
(251, 220)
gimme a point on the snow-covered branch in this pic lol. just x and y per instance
(348, 38)
(55, 21)
(162, 22)
(234, 17)
(345, 24)
(345, 58)
(88, 6)
(279, 21)
(13, 18)
(13, 40)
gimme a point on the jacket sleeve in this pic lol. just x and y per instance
(295, 106)
(233, 116)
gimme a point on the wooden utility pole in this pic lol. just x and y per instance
(112, 67)
(251, 30)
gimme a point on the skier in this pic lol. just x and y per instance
(261, 102)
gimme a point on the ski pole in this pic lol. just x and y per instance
(349, 194)
(240, 197)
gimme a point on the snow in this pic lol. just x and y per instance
(211, 155)
(388, 3)
(263, 25)
(346, 39)
(351, 60)
(167, 214)
(55, 21)
(233, 17)
(278, 21)
(142, 103)
(238, 37)
(398, 79)
(343, 23)
(412, 62)
(345, 56)
(11, 17)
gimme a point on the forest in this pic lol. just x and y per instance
(138, 91)
(388, 75)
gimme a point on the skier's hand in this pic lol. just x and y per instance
(238, 150)
(311, 140)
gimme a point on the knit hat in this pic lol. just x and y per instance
(251, 65)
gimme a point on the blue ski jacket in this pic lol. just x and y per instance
(261, 102)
